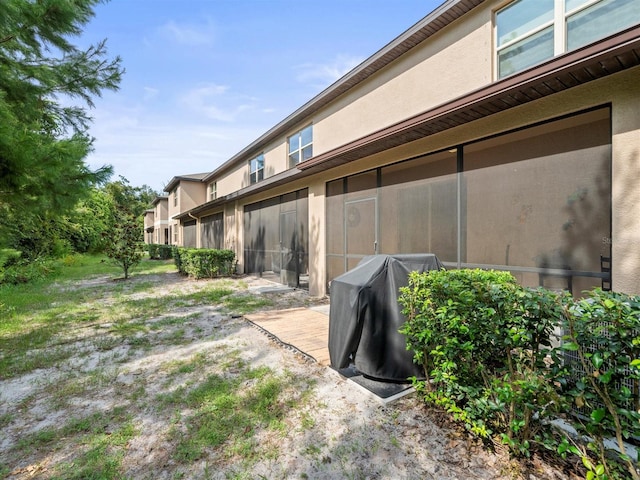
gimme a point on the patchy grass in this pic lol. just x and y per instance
(227, 418)
(101, 438)
(242, 304)
(84, 348)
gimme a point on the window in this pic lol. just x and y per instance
(301, 146)
(256, 169)
(528, 32)
(175, 197)
(213, 191)
(587, 21)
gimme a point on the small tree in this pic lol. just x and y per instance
(124, 242)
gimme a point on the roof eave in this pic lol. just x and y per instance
(442, 16)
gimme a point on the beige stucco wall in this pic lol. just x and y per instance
(453, 62)
(234, 179)
(148, 219)
(622, 91)
(191, 195)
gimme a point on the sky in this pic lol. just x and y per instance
(204, 78)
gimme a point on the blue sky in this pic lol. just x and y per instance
(204, 78)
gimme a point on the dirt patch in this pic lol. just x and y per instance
(118, 378)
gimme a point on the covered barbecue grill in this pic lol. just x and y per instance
(365, 317)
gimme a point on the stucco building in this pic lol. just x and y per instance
(494, 134)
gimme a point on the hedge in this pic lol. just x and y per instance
(204, 263)
(159, 251)
(487, 346)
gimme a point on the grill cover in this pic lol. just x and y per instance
(365, 316)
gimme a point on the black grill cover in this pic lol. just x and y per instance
(365, 316)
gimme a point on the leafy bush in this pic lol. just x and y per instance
(479, 336)
(602, 375)
(486, 346)
(160, 251)
(26, 271)
(204, 263)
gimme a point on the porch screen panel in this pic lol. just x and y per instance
(361, 216)
(418, 209)
(302, 242)
(269, 222)
(541, 198)
(335, 228)
(261, 235)
(253, 239)
(212, 231)
(276, 226)
(189, 230)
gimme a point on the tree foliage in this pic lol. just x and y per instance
(46, 86)
(124, 233)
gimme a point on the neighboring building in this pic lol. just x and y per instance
(185, 193)
(161, 220)
(149, 226)
(494, 134)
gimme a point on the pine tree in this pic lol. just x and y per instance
(43, 140)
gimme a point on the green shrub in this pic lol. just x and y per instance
(159, 251)
(602, 374)
(27, 271)
(480, 337)
(204, 263)
(486, 346)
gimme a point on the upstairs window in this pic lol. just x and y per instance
(525, 35)
(588, 21)
(300, 146)
(213, 191)
(175, 197)
(256, 169)
(529, 32)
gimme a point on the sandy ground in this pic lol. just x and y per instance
(340, 432)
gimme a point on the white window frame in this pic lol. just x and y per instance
(213, 191)
(256, 174)
(300, 147)
(559, 23)
(175, 197)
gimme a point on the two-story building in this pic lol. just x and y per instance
(149, 221)
(495, 134)
(160, 210)
(185, 193)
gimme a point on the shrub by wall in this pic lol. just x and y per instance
(486, 345)
(159, 251)
(204, 263)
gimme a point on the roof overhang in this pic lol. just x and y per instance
(267, 184)
(606, 57)
(196, 177)
(446, 13)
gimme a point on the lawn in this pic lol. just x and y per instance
(91, 364)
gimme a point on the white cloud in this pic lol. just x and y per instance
(190, 35)
(324, 74)
(150, 149)
(149, 93)
(212, 102)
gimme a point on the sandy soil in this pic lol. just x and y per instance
(346, 433)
